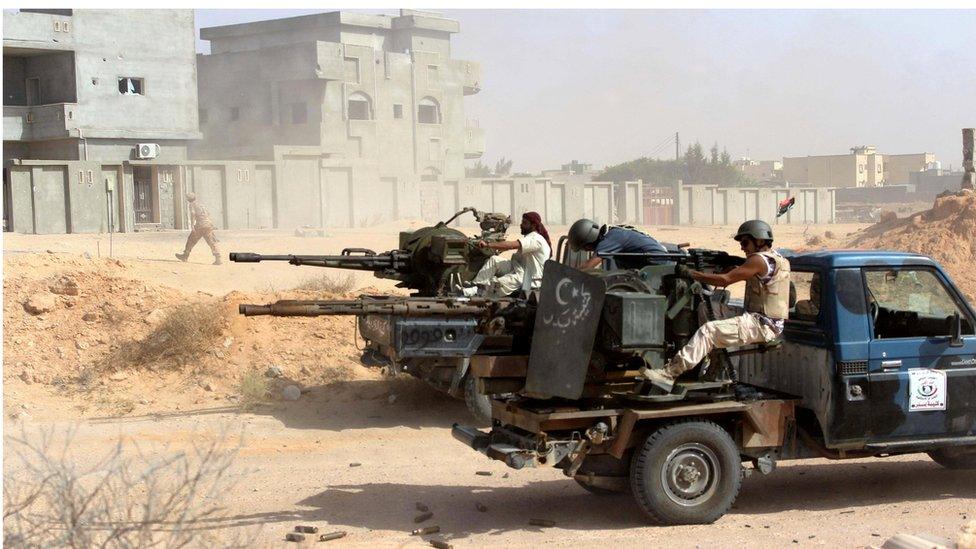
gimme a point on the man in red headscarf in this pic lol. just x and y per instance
(521, 273)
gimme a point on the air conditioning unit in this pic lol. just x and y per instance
(147, 150)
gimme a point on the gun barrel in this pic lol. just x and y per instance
(405, 306)
(354, 259)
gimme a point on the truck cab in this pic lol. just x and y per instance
(880, 347)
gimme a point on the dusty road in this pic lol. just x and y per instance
(294, 463)
(294, 468)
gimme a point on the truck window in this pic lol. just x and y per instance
(911, 302)
(807, 307)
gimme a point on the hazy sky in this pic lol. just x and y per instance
(609, 86)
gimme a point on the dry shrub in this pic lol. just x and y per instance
(253, 388)
(126, 498)
(328, 284)
(185, 333)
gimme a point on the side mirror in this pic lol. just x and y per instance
(955, 330)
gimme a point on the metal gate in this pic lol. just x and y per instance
(659, 206)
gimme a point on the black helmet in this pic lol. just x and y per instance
(584, 232)
(756, 228)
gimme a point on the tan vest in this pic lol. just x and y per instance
(772, 298)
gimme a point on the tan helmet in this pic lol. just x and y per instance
(190, 197)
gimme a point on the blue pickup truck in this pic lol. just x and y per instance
(878, 358)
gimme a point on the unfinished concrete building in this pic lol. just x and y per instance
(363, 115)
(87, 96)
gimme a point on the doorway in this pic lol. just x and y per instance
(143, 201)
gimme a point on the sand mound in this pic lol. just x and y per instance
(946, 232)
(71, 323)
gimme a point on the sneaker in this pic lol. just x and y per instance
(182, 257)
(658, 378)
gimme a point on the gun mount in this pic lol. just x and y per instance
(429, 260)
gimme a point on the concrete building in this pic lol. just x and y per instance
(96, 87)
(362, 114)
(899, 167)
(760, 171)
(930, 183)
(863, 167)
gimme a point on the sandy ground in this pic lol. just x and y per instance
(294, 462)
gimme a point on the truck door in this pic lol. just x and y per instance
(919, 382)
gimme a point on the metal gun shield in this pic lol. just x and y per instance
(565, 330)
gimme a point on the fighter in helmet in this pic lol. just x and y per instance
(202, 228)
(606, 240)
(767, 277)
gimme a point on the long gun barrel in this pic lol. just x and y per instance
(414, 306)
(701, 259)
(359, 259)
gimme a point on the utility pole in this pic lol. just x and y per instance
(969, 174)
(677, 147)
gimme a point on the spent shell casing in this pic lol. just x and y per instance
(480, 507)
(425, 531)
(483, 473)
(545, 523)
(422, 517)
(421, 507)
(307, 529)
(332, 535)
(294, 537)
(440, 544)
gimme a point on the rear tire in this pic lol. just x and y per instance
(687, 472)
(955, 458)
(478, 404)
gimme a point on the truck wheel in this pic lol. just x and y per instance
(955, 458)
(687, 472)
(478, 404)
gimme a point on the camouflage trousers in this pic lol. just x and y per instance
(207, 234)
(741, 330)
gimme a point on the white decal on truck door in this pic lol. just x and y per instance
(926, 390)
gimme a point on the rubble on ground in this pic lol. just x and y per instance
(946, 232)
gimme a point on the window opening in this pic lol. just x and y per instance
(131, 86)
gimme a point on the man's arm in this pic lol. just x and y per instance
(500, 246)
(753, 266)
(591, 263)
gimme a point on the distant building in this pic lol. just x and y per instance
(760, 171)
(930, 183)
(863, 167)
(93, 84)
(112, 94)
(899, 167)
(366, 111)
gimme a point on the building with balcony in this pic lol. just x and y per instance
(363, 114)
(98, 108)
(92, 84)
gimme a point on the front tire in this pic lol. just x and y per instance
(687, 472)
(955, 458)
(478, 404)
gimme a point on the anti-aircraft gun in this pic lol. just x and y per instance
(429, 260)
(431, 335)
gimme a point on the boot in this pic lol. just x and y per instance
(183, 256)
(217, 260)
(659, 378)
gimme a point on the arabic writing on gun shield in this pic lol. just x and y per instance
(574, 304)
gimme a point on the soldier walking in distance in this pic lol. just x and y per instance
(202, 228)
(767, 302)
